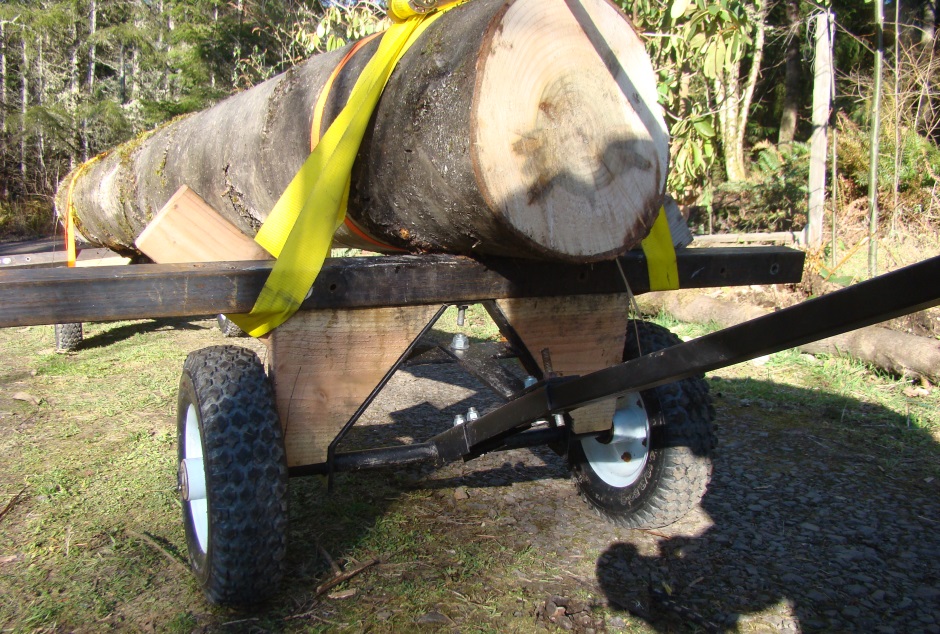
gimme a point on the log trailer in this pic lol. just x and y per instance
(525, 133)
(623, 400)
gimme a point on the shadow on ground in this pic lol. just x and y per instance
(120, 333)
(821, 516)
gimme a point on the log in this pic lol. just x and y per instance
(520, 127)
(896, 352)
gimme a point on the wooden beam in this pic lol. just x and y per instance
(48, 296)
(324, 363)
(582, 334)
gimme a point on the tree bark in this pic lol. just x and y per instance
(791, 94)
(5, 192)
(526, 128)
(875, 140)
(896, 352)
(92, 48)
(735, 100)
(822, 94)
(24, 106)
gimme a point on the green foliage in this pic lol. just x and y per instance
(691, 44)
(775, 198)
(21, 219)
(90, 84)
(918, 168)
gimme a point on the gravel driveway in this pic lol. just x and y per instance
(798, 532)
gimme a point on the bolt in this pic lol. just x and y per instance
(626, 457)
(529, 381)
(461, 315)
(472, 414)
(460, 342)
(459, 420)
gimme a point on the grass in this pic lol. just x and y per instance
(96, 541)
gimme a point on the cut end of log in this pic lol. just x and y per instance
(570, 146)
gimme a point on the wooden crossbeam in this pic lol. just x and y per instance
(46, 296)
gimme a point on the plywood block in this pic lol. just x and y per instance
(187, 229)
(324, 363)
(583, 334)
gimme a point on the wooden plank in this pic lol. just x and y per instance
(47, 296)
(187, 229)
(583, 334)
(111, 260)
(778, 237)
(324, 363)
(49, 259)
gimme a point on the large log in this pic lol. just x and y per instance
(518, 127)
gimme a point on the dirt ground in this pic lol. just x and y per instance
(822, 514)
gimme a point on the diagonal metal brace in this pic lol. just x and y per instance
(891, 295)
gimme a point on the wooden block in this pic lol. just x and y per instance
(324, 363)
(113, 260)
(187, 229)
(583, 334)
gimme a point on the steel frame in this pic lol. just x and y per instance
(891, 295)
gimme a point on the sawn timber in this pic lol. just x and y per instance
(141, 291)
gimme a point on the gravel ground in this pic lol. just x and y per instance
(798, 532)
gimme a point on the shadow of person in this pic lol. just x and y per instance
(821, 519)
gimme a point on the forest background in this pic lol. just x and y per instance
(78, 77)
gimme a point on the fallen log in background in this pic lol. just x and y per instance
(520, 127)
(896, 352)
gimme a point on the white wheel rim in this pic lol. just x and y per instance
(193, 470)
(620, 462)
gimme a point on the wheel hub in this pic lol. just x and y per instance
(620, 457)
(192, 478)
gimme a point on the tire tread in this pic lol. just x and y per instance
(246, 475)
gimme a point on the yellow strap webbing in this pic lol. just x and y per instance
(299, 230)
(70, 254)
(661, 255)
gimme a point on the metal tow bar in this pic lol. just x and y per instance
(907, 290)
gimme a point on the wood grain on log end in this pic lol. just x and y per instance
(569, 147)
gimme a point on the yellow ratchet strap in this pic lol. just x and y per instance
(299, 230)
(401, 10)
(70, 210)
(661, 255)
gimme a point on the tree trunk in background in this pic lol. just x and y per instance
(40, 89)
(5, 190)
(734, 101)
(525, 128)
(792, 83)
(822, 94)
(875, 139)
(24, 106)
(122, 75)
(890, 350)
(918, 23)
(92, 48)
